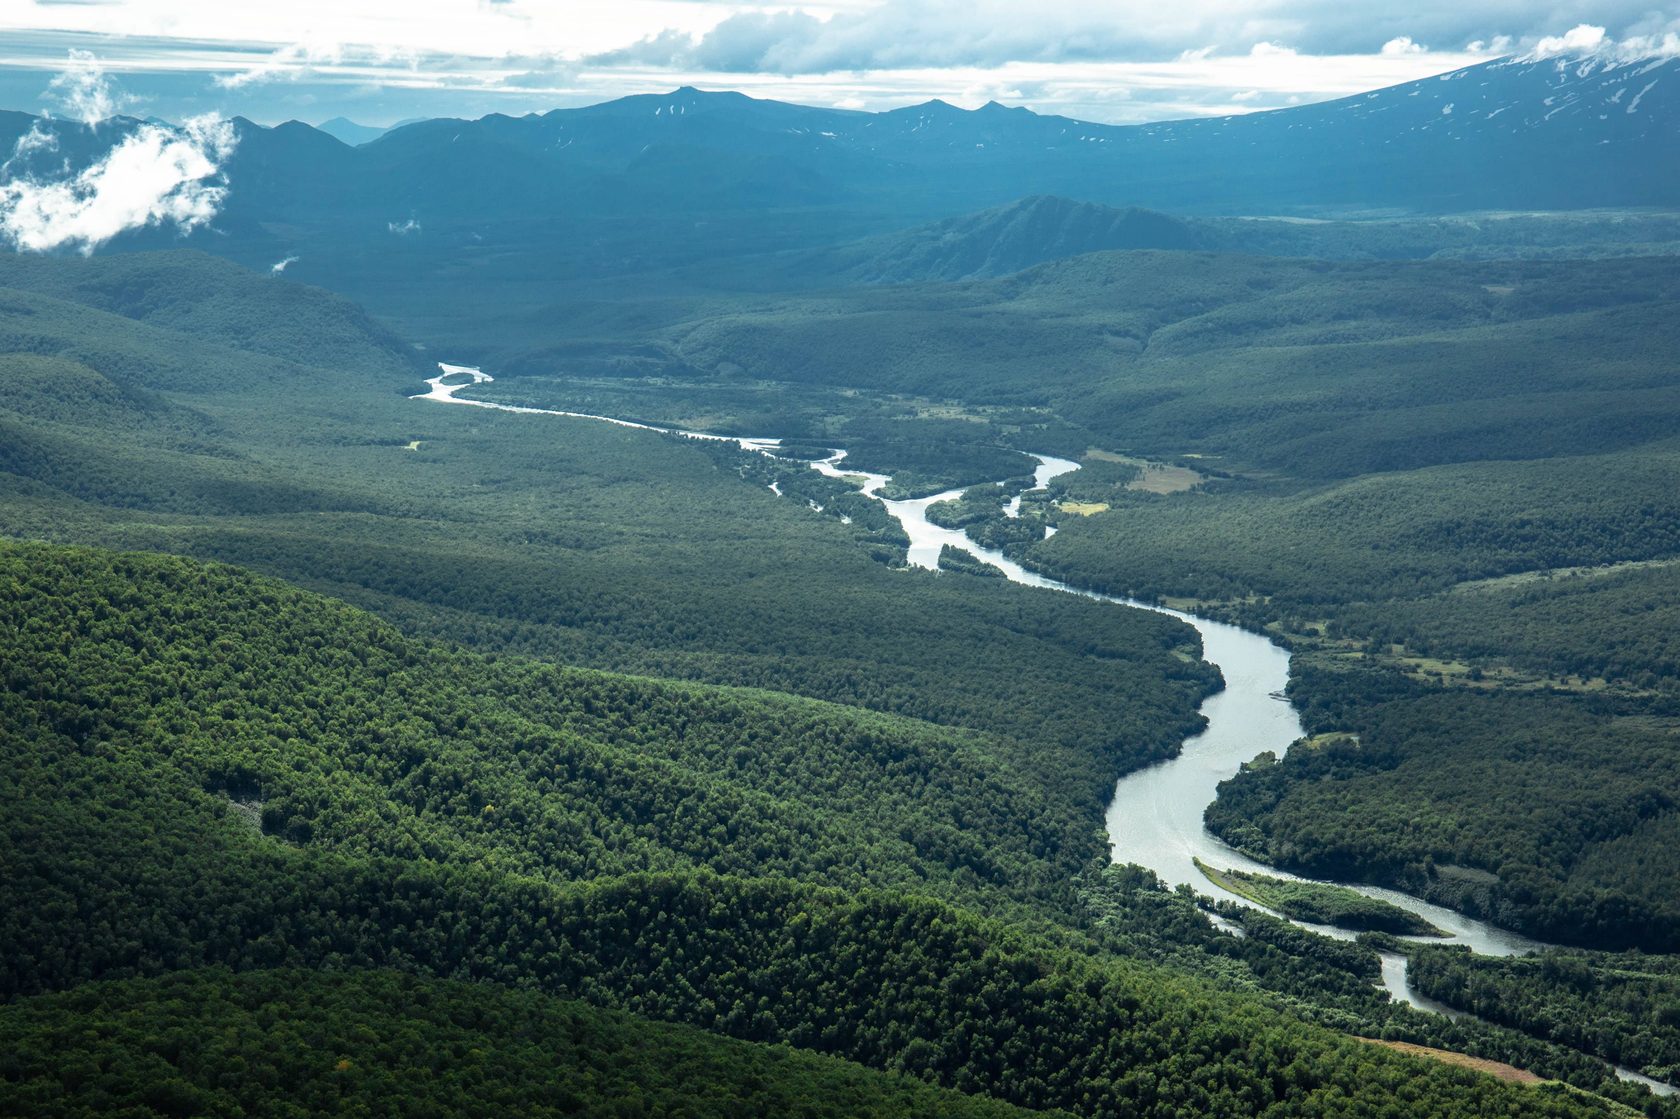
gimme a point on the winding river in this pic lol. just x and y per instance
(1155, 817)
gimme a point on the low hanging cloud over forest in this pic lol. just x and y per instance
(154, 173)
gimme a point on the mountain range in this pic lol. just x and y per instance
(1514, 134)
(1511, 134)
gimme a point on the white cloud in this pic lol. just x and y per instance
(792, 38)
(1591, 41)
(1271, 50)
(1665, 46)
(280, 266)
(154, 176)
(1582, 39)
(34, 142)
(83, 91)
(403, 229)
(288, 63)
(817, 33)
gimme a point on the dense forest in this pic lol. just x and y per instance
(1476, 800)
(281, 1043)
(1625, 1006)
(1457, 471)
(1434, 484)
(206, 750)
(334, 728)
(1619, 624)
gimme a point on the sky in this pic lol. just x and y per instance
(1115, 61)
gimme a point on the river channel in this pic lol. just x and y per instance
(1155, 816)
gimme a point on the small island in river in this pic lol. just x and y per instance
(1320, 903)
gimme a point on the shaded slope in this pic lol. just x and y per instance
(1008, 239)
(346, 735)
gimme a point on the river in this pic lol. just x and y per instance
(1155, 816)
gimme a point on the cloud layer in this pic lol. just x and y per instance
(950, 33)
(1118, 61)
(1586, 39)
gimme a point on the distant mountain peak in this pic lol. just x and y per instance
(349, 132)
(932, 105)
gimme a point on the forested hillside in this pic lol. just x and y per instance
(1308, 369)
(331, 727)
(216, 801)
(1622, 1004)
(1513, 830)
(1397, 458)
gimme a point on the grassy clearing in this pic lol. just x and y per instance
(1321, 904)
(1083, 508)
(1477, 674)
(1153, 477)
(1524, 578)
(1162, 478)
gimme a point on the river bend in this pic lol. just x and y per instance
(1155, 816)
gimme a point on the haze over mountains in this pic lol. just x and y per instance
(348, 131)
(1556, 133)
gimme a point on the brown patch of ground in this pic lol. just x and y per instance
(1511, 1074)
(1160, 478)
